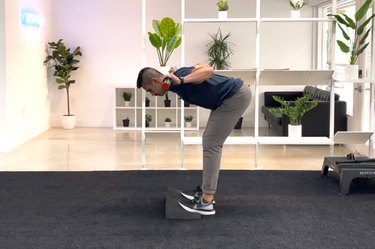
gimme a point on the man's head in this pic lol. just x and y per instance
(151, 80)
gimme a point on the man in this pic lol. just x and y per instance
(227, 98)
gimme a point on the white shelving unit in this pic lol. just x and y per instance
(271, 77)
(156, 109)
(255, 77)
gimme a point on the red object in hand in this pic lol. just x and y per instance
(166, 83)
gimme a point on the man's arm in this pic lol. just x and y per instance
(199, 74)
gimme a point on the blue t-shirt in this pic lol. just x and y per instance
(208, 94)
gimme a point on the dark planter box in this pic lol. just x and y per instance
(167, 103)
(239, 124)
(126, 122)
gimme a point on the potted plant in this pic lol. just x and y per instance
(147, 101)
(296, 7)
(148, 119)
(126, 122)
(167, 101)
(219, 50)
(188, 120)
(222, 6)
(127, 96)
(167, 122)
(166, 39)
(64, 61)
(355, 32)
(294, 110)
(238, 125)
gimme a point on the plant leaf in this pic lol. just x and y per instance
(360, 50)
(344, 48)
(346, 36)
(340, 19)
(364, 37)
(154, 39)
(362, 10)
(363, 25)
(350, 21)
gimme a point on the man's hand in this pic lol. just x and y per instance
(172, 69)
(199, 74)
(175, 79)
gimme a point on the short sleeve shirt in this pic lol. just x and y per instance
(208, 94)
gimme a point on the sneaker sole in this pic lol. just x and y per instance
(197, 211)
(190, 197)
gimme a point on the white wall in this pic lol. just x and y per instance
(2, 77)
(25, 106)
(110, 34)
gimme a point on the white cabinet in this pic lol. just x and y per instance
(157, 109)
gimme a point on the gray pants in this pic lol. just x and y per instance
(219, 125)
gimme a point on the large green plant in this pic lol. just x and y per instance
(166, 39)
(64, 63)
(354, 31)
(294, 110)
(219, 50)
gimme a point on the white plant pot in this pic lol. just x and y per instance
(222, 15)
(126, 103)
(167, 124)
(188, 124)
(68, 122)
(294, 130)
(164, 70)
(295, 13)
(351, 72)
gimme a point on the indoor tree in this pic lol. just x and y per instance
(64, 61)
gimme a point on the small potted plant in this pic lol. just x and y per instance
(148, 119)
(166, 39)
(64, 61)
(296, 8)
(219, 50)
(238, 125)
(126, 122)
(295, 111)
(188, 120)
(167, 122)
(355, 32)
(222, 6)
(127, 96)
(167, 101)
(147, 101)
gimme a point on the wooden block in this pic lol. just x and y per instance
(173, 210)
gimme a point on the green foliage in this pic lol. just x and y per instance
(188, 118)
(222, 5)
(219, 50)
(166, 39)
(354, 45)
(127, 96)
(64, 63)
(148, 118)
(167, 119)
(296, 4)
(294, 110)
